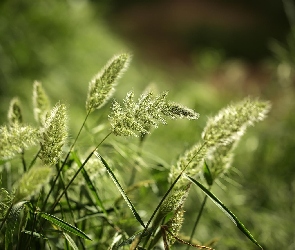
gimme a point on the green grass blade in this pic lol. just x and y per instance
(207, 174)
(114, 179)
(11, 223)
(89, 183)
(225, 210)
(71, 241)
(64, 225)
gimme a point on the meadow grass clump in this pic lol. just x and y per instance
(64, 199)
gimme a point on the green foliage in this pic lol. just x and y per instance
(12, 218)
(227, 212)
(71, 241)
(6, 200)
(87, 206)
(63, 43)
(64, 225)
(121, 190)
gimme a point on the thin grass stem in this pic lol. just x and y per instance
(78, 171)
(160, 203)
(34, 159)
(67, 198)
(197, 221)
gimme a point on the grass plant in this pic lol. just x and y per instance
(65, 197)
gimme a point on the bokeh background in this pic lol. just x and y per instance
(207, 54)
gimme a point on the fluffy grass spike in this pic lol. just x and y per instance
(191, 160)
(102, 86)
(41, 102)
(32, 181)
(175, 110)
(176, 200)
(137, 118)
(220, 160)
(14, 112)
(54, 135)
(13, 140)
(231, 122)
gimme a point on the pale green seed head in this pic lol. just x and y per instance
(175, 110)
(102, 86)
(220, 160)
(231, 122)
(173, 207)
(53, 135)
(14, 112)
(41, 103)
(31, 182)
(15, 139)
(175, 200)
(174, 225)
(224, 131)
(221, 134)
(191, 160)
(137, 118)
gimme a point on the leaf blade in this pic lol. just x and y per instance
(64, 225)
(207, 174)
(11, 222)
(90, 185)
(121, 190)
(70, 241)
(233, 218)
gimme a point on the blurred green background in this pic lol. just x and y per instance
(207, 54)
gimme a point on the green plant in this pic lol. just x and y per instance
(66, 190)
